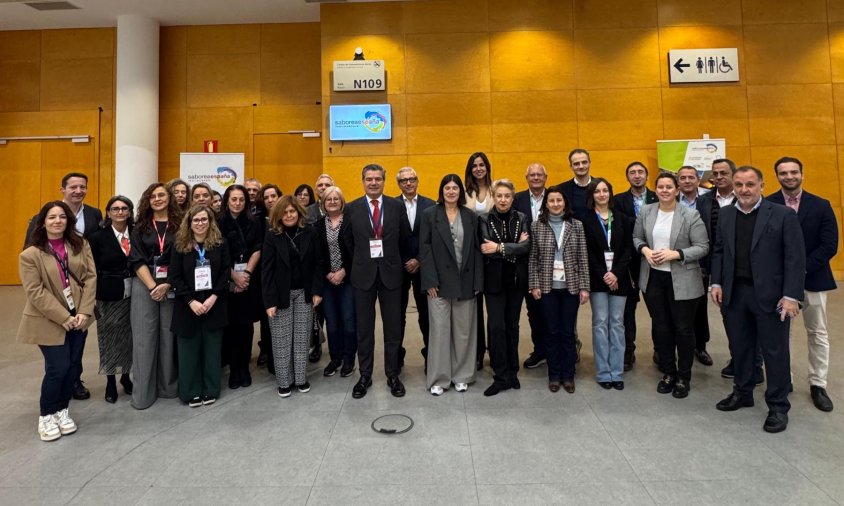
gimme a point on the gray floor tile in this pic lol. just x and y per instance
(124, 495)
(598, 493)
(792, 490)
(407, 494)
(36, 496)
(212, 495)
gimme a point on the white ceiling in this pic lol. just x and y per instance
(15, 15)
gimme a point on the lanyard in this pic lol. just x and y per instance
(606, 228)
(560, 239)
(376, 230)
(63, 265)
(161, 238)
(201, 252)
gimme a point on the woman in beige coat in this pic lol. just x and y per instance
(59, 279)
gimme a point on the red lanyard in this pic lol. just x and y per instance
(161, 238)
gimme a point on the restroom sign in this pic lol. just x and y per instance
(703, 65)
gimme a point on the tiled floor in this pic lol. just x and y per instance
(521, 447)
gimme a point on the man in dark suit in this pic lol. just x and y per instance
(414, 204)
(575, 188)
(629, 203)
(820, 235)
(74, 190)
(377, 237)
(758, 270)
(529, 202)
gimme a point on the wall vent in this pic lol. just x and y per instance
(52, 6)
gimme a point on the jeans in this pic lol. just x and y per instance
(559, 309)
(338, 303)
(61, 369)
(608, 335)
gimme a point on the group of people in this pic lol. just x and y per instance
(177, 286)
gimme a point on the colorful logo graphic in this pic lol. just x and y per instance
(375, 121)
(226, 176)
(711, 147)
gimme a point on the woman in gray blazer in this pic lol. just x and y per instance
(671, 239)
(452, 274)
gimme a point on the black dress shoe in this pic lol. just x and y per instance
(734, 402)
(80, 393)
(821, 399)
(681, 389)
(534, 361)
(245, 379)
(606, 385)
(316, 354)
(262, 359)
(775, 422)
(703, 357)
(396, 387)
(494, 389)
(618, 385)
(568, 386)
(360, 387)
(331, 368)
(515, 384)
(728, 371)
(234, 379)
(665, 385)
(127, 384)
(111, 393)
(347, 370)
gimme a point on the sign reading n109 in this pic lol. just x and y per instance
(359, 75)
(703, 65)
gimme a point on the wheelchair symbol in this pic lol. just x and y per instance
(724, 66)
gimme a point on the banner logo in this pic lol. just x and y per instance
(226, 176)
(375, 121)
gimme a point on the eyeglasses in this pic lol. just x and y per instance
(408, 180)
(119, 209)
(199, 220)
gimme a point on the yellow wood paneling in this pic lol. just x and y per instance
(618, 58)
(78, 43)
(619, 119)
(791, 114)
(73, 84)
(783, 11)
(168, 171)
(820, 168)
(514, 165)
(232, 126)
(172, 65)
(448, 123)
(444, 16)
(699, 37)
(287, 160)
(838, 102)
(739, 154)
(534, 121)
(836, 51)
(515, 63)
(281, 118)
(172, 136)
(19, 161)
(709, 13)
(719, 111)
(456, 62)
(223, 39)
(28, 124)
(432, 169)
(389, 48)
(20, 85)
(614, 13)
(835, 11)
(787, 53)
(611, 164)
(531, 15)
(361, 18)
(398, 144)
(209, 86)
(346, 171)
(290, 64)
(60, 157)
(20, 45)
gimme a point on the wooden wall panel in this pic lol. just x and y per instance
(787, 53)
(614, 13)
(709, 13)
(531, 15)
(775, 111)
(700, 37)
(223, 39)
(287, 160)
(601, 62)
(208, 86)
(389, 48)
(448, 123)
(20, 89)
(445, 16)
(173, 67)
(466, 69)
(19, 161)
(515, 64)
(232, 126)
(719, 111)
(534, 121)
(290, 64)
(620, 119)
(763, 12)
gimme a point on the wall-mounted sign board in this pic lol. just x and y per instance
(703, 65)
(359, 75)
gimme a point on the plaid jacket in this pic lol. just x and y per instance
(575, 257)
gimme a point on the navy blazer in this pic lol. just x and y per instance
(422, 203)
(776, 254)
(521, 203)
(820, 233)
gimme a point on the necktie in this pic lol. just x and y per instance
(124, 243)
(376, 219)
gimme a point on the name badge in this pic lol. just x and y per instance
(608, 256)
(127, 288)
(68, 297)
(202, 278)
(160, 270)
(240, 267)
(559, 271)
(376, 248)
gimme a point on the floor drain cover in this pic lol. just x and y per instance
(392, 424)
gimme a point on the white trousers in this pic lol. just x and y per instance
(814, 318)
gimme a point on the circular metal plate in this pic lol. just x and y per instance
(392, 424)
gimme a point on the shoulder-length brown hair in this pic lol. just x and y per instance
(39, 235)
(276, 214)
(143, 221)
(184, 237)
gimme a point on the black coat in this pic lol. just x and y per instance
(621, 244)
(494, 264)
(244, 237)
(422, 203)
(112, 264)
(276, 267)
(437, 258)
(623, 203)
(180, 276)
(345, 254)
(521, 203)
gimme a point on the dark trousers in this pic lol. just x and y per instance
(750, 328)
(505, 308)
(61, 370)
(265, 344)
(673, 326)
(338, 305)
(702, 319)
(413, 283)
(390, 303)
(630, 322)
(559, 307)
(199, 363)
(537, 325)
(481, 328)
(237, 347)
(78, 378)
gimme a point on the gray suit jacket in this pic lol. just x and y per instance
(688, 234)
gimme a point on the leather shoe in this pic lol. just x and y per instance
(681, 389)
(360, 387)
(111, 393)
(734, 402)
(629, 360)
(515, 384)
(606, 385)
(245, 379)
(396, 387)
(775, 422)
(728, 371)
(618, 385)
(316, 354)
(127, 384)
(234, 379)
(665, 385)
(494, 389)
(703, 357)
(533, 361)
(262, 359)
(554, 386)
(568, 386)
(80, 393)
(821, 399)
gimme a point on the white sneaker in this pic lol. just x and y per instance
(48, 428)
(461, 387)
(437, 390)
(66, 423)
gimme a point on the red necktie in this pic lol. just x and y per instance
(376, 219)
(124, 243)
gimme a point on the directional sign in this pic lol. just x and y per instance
(703, 65)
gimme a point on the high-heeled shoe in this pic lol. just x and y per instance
(111, 391)
(127, 384)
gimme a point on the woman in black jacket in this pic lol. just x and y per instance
(110, 246)
(199, 272)
(609, 244)
(505, 244)
(291, 281)
(244, 235)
